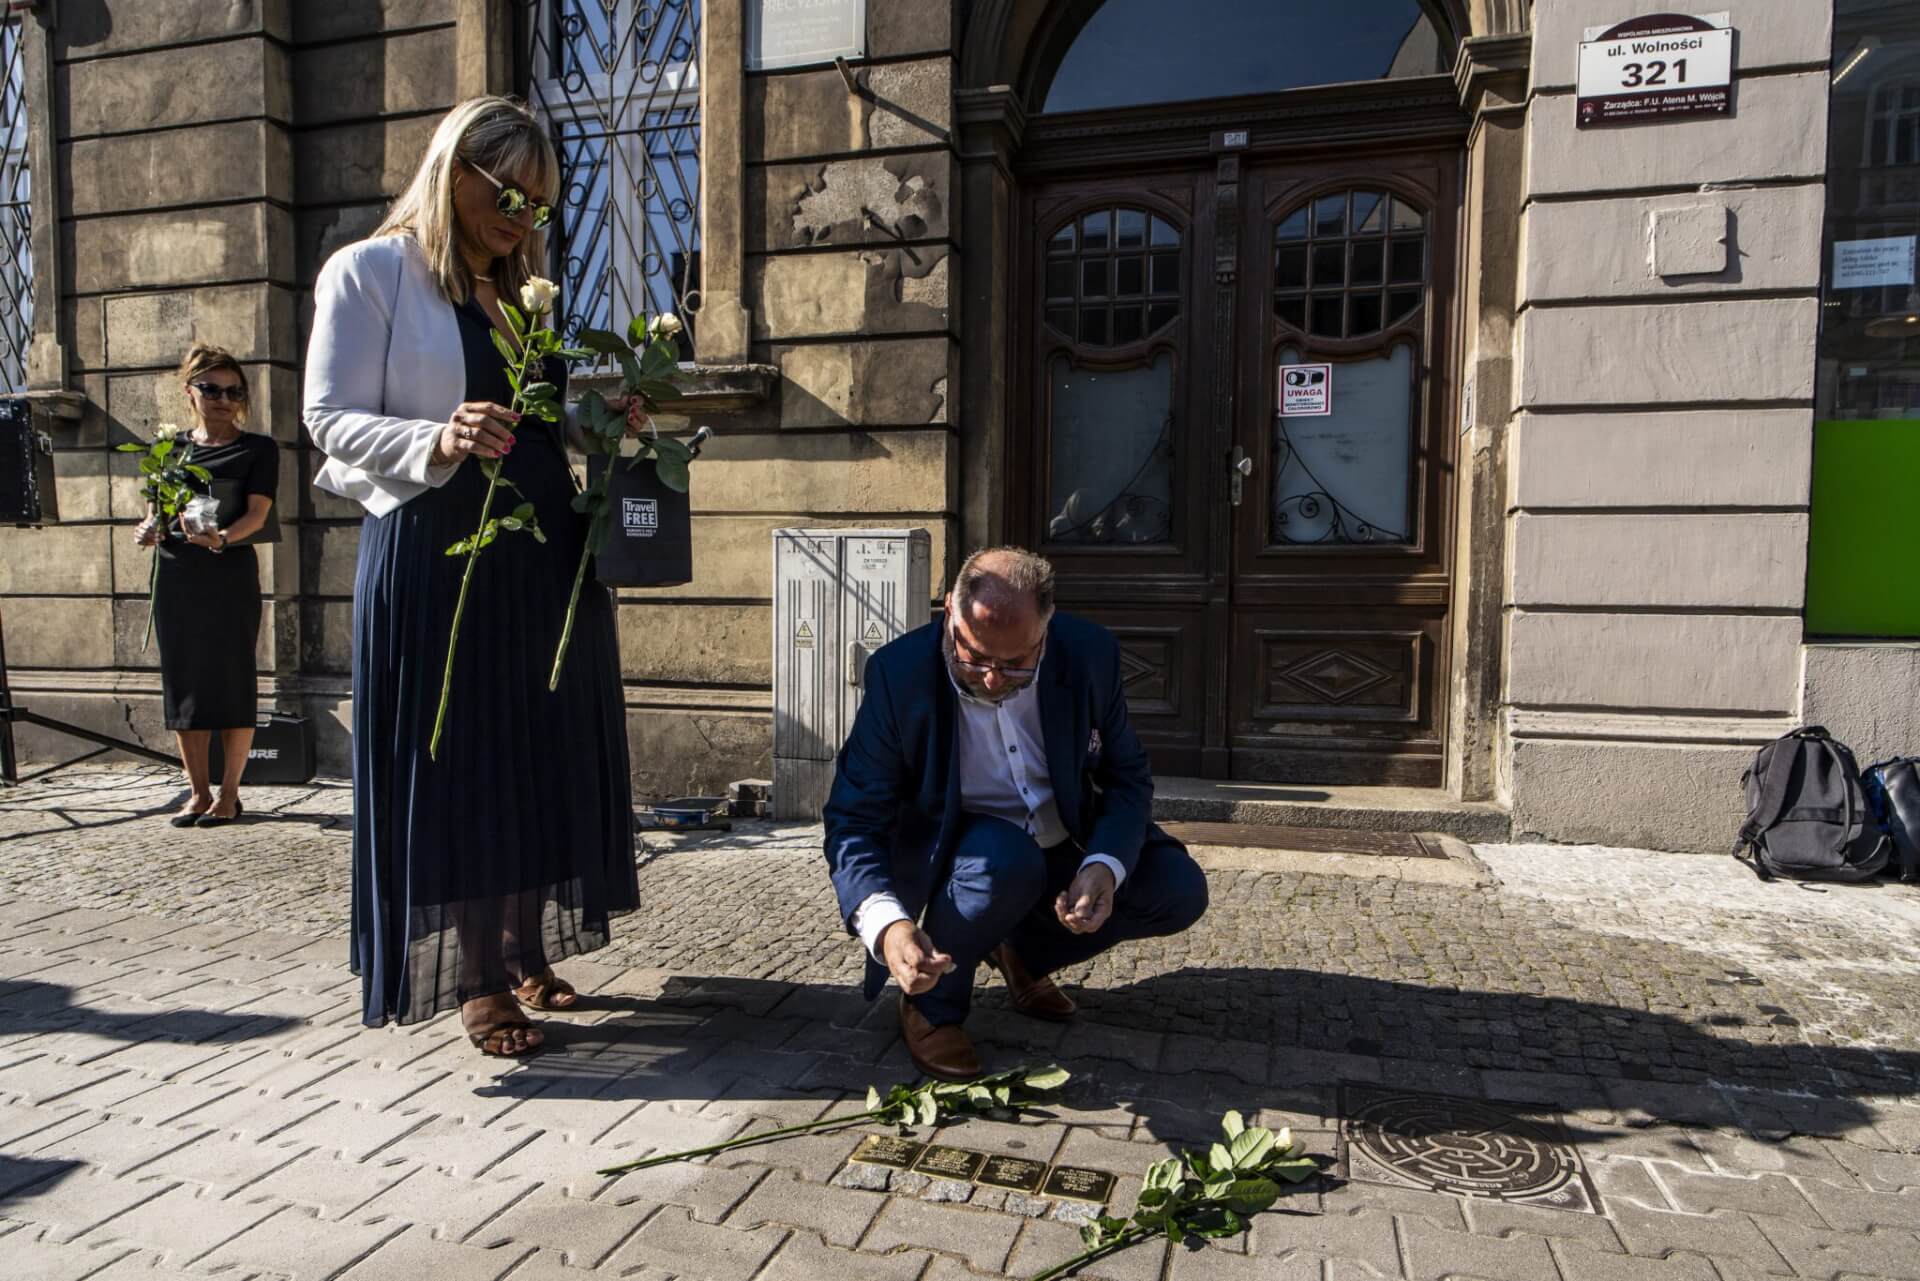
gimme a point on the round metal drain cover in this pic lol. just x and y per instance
(1460, 1146)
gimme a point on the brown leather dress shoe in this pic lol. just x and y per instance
(943, 1053)
(1036, 998)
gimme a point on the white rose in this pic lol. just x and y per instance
(537, 295)
(665, 325)
(167, 431)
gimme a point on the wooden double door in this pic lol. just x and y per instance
(1279, 581)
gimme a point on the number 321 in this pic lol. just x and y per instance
(1635, 74)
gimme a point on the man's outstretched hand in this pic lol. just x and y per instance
(915, 963)
(1087, 903)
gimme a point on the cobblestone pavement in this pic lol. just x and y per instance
(186, 1091)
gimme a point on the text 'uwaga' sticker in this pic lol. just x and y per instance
(958, 1164)
(1072, 1183)
(885, 1149)
(1016, 1174)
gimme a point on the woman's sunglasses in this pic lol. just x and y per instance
(513, 201)
(214, 391)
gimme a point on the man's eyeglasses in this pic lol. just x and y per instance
(214, 391)
(513, 201)
(980, 667)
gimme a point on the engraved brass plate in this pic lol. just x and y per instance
(885, 1149)
(1072, 1183)
(958, 1164)
(1016, 1174)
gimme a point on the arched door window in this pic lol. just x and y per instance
(1136, 52)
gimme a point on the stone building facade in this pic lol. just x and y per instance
(1547, 554)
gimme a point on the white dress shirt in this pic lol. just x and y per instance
(1003, 774)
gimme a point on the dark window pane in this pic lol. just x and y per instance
(1330, 216)
(1165, 233)
(1329, 266)
(1093, 278)
(1405, 301)
(1127, 325)
(1096, 229)
(1093, 325)
(1326, 315)
(1060, 279)
(1368, 259)
(1407, 256)
(1160, 315)
(1292, 227)
(1129, 277)
(1292, 311)
(1133, 229)
(1139, 52)
(1406, 217)
(1061, 318)
(1363, 312)
(1166, 273)
(1290, 267)
(1062, 242)
(1369, 213)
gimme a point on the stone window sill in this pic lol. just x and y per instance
(706, 388)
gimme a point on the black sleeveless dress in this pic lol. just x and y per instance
(510, 851)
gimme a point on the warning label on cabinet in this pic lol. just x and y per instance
(803, 635)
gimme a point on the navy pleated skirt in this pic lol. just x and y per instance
(509, 851)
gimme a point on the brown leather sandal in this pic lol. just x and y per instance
(542, 990)
(496, 1039)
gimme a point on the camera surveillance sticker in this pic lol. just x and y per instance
(1306, 390)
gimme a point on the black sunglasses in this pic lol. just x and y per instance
(513, 201)
(214, 391)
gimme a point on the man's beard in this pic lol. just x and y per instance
(965, 681)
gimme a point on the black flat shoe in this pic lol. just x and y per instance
(210, 819)
(186, 820)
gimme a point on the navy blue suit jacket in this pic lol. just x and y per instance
(894, 816)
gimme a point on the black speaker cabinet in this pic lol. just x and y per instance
(283, 752)
(26, 468)
(651, 543)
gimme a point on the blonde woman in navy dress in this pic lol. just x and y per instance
(475, 872)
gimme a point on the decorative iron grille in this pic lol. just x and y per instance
(618, 84)
(16, 216)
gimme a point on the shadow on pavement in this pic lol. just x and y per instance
(29, 1008)
(23, 1178)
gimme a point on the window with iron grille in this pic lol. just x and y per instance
(618, 84)
(16, 225)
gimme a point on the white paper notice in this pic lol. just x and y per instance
(1865, 264)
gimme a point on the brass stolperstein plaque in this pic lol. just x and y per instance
(1016, 1174)
(959, 1164)
(1072, 1183)
(885, 1149)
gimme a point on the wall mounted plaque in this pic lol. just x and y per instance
(1014, 1173)
(1073, 1183)
(804, 33)
(958, 1164)
(885, 1149)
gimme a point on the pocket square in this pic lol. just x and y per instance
(1093, 744)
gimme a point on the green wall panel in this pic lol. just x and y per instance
(1863, 574)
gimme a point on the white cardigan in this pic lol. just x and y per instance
(385, 371)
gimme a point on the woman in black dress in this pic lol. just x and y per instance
(206, 606)
(473, 872)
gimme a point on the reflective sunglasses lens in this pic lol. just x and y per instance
(512, 200)
(542, 215)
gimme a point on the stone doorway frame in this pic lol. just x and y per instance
(1004, 45)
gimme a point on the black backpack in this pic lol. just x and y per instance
(1807, 816)
(1893, 792)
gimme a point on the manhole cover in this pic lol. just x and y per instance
(1460, 1146)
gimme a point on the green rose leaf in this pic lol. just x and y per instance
(1233, 1125)
(929, 1110)
(1249, 1147)
(505, 348)
(659, 360)
(540, 391)
(131, 448)
(873, 1098)
(515, 320)
(1051, 1077)
(605, 342)
(1293, 1170)
(1250, 1196)
(637, 330)
(658, 390)
(667, 447)
(673, 474)
(539, 535)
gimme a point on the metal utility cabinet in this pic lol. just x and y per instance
(839, 594)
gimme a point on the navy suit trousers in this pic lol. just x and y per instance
(1002, 889)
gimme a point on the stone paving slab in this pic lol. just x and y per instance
(185, 1091)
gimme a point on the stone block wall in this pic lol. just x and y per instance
(1661, 443)
(848, 279)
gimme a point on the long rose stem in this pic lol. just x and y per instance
(573, 601)
(745, 1140)
(1125, 1239)
(153, 594)
(459, 608)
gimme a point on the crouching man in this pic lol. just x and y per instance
(993, 805)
